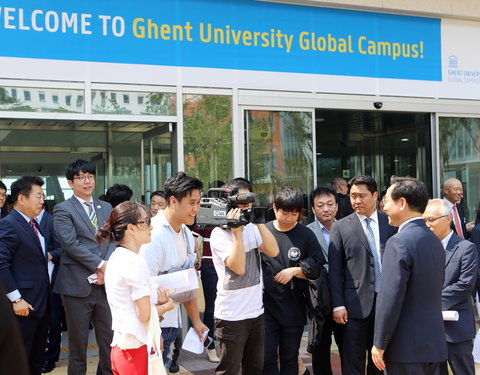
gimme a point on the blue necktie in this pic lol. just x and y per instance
(92, 215)
(373, 249)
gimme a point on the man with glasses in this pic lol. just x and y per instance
(82, 266)
(458, 285)
(3, 200)
(23, 267)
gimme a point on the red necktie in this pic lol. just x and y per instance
(456, 221)
(33, 223)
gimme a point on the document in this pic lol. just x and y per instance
(450, 315)
(177, 282)
(192, 342)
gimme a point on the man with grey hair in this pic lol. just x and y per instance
(453, 194)
(458, 285)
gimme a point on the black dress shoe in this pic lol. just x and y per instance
(174, 367)
(47, 367)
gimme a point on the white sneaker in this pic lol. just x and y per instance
(212, 355)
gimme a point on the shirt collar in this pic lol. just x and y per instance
(374, 217)
(24, 216)
(323, 227)
(161, 219)
(408, 221)
(82, 201)
(449, 203)
(39, 217)
(446, 239)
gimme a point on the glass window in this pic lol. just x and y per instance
(80, 101)
(207, 121)
(379, 144)
(460, 157)
(154, 103)
(49, 100)
(279, 152)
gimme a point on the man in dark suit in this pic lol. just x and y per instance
(3, 200)
(343, 200)
(357, 243)
(82, 266)
(458, 285)
(453, 194)
(52, 352)
(23, 267)
(409, 332)
(324, 207)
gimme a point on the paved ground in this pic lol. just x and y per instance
(189, 363)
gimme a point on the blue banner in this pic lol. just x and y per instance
(234, 34)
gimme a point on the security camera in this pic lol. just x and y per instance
(378, 105)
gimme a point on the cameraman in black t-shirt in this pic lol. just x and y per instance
(284, 281)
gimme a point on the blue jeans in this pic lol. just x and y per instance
(169, 335)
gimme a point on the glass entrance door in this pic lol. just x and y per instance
(157, 158)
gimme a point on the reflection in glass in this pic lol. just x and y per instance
(279, 152)
(134, 103)
(379, 144)
(41, 100)
(460, 157)
(207, 122)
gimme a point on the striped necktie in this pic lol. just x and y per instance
(373, 248)
(92, 215)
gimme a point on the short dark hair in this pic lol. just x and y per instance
(114, 228)
(288, 199)
(363, 179)
(24, 186)
(2, 186)
(237, 183)
(78, 166)
(413, 190)
(180, 185)
(159, 193)
(322, 190)
(117, 194)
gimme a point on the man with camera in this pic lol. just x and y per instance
(240, 326)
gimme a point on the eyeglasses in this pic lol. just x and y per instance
(85, 177)
(147, 221)
(432, 219)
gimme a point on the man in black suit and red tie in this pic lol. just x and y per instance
(409, 331)
(453, 194)
(23, 267)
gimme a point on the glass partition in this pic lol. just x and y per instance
(28, 99)
(134, 103)
(207, 134)
(460, 157)
(279, 152)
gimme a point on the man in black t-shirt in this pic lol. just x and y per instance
(284, 282)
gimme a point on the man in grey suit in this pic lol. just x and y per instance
(458, 285)
(409, 334)
(357, 243)
(82, 267)
(324, 207)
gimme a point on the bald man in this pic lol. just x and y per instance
(458, 285)
(453, 194)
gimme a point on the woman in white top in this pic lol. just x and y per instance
(128, 288)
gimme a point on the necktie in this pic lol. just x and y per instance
(373, 249)
(456, 221)
(33, 223)
(91, 214)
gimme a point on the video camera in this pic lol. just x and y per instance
(215, 206)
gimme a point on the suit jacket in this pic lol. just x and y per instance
(408, 315)
(461, 217)
(51, 243)
(315, 227)
(458, 285)
(81, 254)
(23, 264)
(351, 264)
(344, 206)
(475, 238)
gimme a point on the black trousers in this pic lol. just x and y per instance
(241, 344)
(321, 353)
(209, 284)
(357, 341)
(412, 368)
(34, 334)
(281, 342)
(55, 328)
(460, 359)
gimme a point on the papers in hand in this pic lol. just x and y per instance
(192, 342)
(177, 282)
(450, 315)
